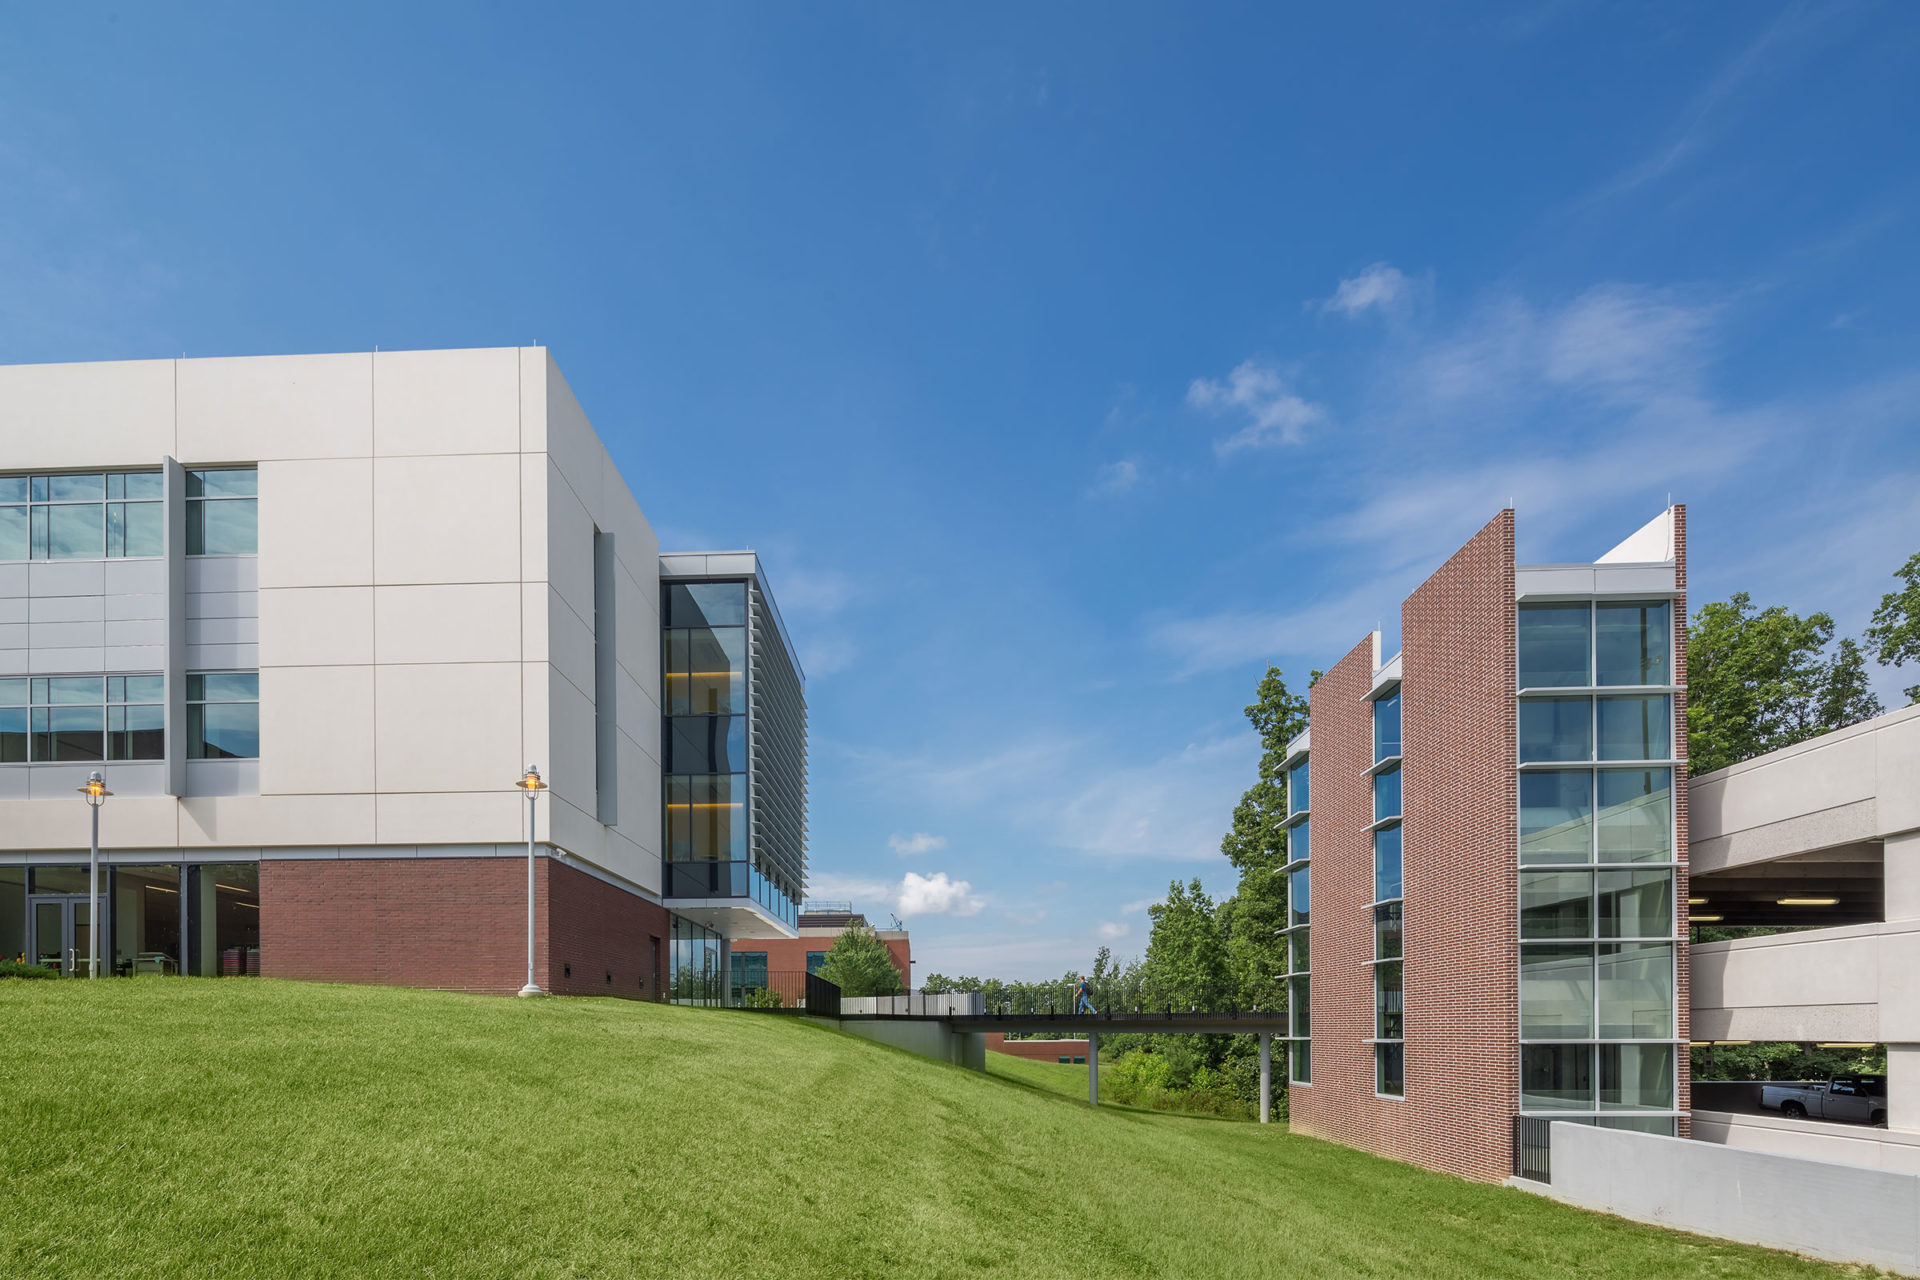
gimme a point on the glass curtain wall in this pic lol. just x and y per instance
(1390, 1024)
(1597, 863)
(696, 977)
(1298, 940)
(704, 648)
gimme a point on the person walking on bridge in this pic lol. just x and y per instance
(1083, 999)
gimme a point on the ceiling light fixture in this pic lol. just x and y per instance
(1707, 919)
(1806, 902)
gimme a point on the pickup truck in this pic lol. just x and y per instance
(1858, 1098)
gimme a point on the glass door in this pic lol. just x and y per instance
(62, 933)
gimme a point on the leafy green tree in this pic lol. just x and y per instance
(1759, 680)
(1186, 957)
(860, 964)
(1256, 844)
(1894, 636)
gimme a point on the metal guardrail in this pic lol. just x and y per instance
(1533, 1148)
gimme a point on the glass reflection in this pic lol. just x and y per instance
(1386, 864)
(1386, 726)
(1637, 1077)
(146, 920)
(1556, 904)
(1556, 991)
(1554, 646)
(1636, 815)
(1636, 991)
(1632, 642)
(1556, 729)
(1556, 816)
(1636, 904)
(1556, 1077)
(1635, 728)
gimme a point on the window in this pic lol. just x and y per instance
(223, 715)
(82, 718)
(82, 517)
(1302, 1065)
(1387, 931)
(1300, 951)
(223, 936)
(1389, 1019)
(706, 744)
(222, 512)
(1633, 642)
(749, 974)
(1636, 815)
(1386, 726)
(1556, 816)
(706, 818)
(1555, 645)
(1298, 841)
(1386, 864)
(1297, 794)
(706, 671)
(1390, 1070)
(1386, 794)
(814, 960)
(1298, 893)
(1553, 729)
(1300, 1006)
(1635, 728)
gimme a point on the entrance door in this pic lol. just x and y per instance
(61, 934)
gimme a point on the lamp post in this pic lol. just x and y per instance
(532, 785)
(96, 793)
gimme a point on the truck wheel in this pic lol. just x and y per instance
(1878, 1119)
(1793, 1111)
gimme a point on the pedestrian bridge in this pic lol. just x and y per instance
(952, 1026)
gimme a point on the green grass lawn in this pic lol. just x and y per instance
(240, 1128)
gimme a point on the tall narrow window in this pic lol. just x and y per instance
(606, 711)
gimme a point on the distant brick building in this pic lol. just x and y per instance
(820, 924)
(1038, 1050)
(1487, 860)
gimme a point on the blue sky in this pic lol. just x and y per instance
(1064, 366)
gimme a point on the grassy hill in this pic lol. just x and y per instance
(181, 1127)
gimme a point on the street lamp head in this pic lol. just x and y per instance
(531, 783)
(96, 790)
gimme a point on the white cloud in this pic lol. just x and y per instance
(1381, 286)
(1111, 930)
(917, 843)
(936, 895)
(1275, 415)
(1134, 908)
(1114, 479)
(912, 895)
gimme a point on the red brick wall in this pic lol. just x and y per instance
(1038, 1050)
(455, 924)
(789, 955)
(1460, 833)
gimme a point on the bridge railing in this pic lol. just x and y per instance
(790, 991)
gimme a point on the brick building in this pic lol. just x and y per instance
(311, 617)
(1487, 860)
(821, 923)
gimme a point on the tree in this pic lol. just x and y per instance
(860, 964)
(1758, 680)
(1186, 959)
(1256, 844)
(1894, 636)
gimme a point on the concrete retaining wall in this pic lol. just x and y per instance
(1844, 1213)
(928, 1039)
